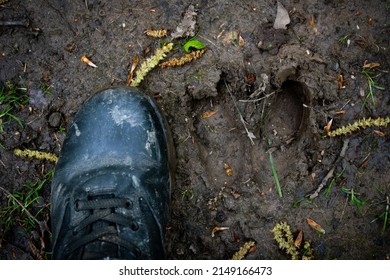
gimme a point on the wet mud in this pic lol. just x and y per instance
(269, 91)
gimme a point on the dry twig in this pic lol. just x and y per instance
(42, 225)
(258, 99)
(250, 134)
(330, 173)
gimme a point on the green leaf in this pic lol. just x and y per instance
(196, 44)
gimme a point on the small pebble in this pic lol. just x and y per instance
(55, 119)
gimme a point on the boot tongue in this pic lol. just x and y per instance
(100, 249)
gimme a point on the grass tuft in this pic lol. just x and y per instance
(12, 98)
(329, 188)
(371, 77)
(354, 200)
(24, 207)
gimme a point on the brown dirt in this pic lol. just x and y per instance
(290, 68)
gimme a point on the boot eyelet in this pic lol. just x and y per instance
(129, 204)
(76, 206)
(134, 226)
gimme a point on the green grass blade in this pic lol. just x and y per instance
(271, 160)
(16, 119)
(385, 222)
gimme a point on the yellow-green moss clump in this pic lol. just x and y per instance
(150, 63)
(283, 236)
(243, 250)
(307, 251)
(36, 154)
(358, 125)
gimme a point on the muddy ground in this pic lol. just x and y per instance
(291, 79)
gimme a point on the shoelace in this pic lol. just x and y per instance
(103, 210)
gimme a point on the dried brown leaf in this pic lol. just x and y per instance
(328, 126)
(371, 65)
(340, 81)
(218, 229)
(315, 226)
(241, 41)
(208, 114)
(156, 33)
(86, 60)
(133, 67)
(252, 249)
(312, 24)
(379, 133)
(298, 240)
(228, 169)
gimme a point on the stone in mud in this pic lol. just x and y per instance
(202, 82)
(55, 119)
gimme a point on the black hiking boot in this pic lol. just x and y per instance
(111, 188)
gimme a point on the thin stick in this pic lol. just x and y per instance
(323, 183)
(251, 136)
(330, 173)
(8, 194)
(211, 42)
(42, 225)
(345, 205)
(262, 112)
(22, 22)
(258, 99)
